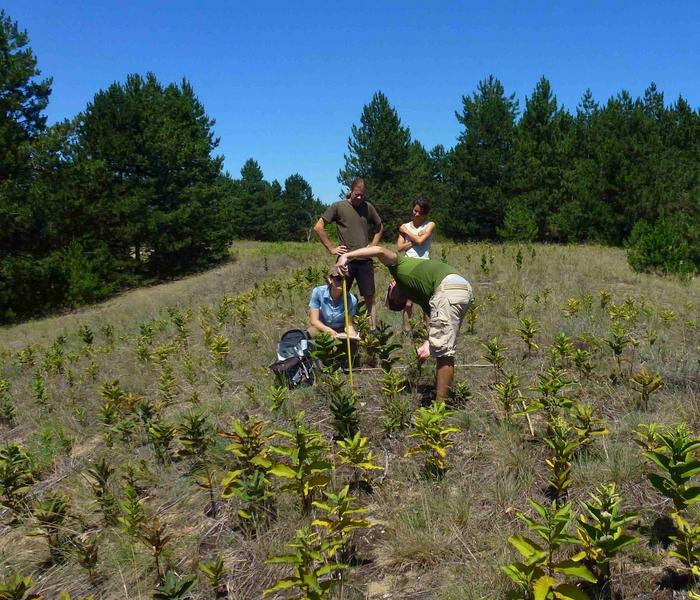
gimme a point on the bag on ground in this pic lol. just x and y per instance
(294, 365)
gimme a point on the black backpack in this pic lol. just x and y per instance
(294, 365)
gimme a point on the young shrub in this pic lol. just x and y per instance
(472, 317)
(526, 332)
(686, 547)
(619, 340)
(508, 395)
(675, 458)
(15, 477)
(647, 436)
(155, 539)
(195, 436)
(571, 308)
(249, 479)
(540, 574)
(355, 452)
(586, 424)
(582, 361)
(49, 515)
(314, 575)
(549, 390)
(98, 477)
(662, 248)
(562, 350)
(277, 397)
(308, 468)
(563, 443)
(195, 439)
(361, 320)
(214, 571)
(495, 354)
(395, 406)
(174, 587)
(39, 388)
(429, 428)
(385, 350)
(86, 550)
(324, 349)
(7, 406)
(343, 407)
(339, 518)
(601, 529)
(161, 435)
(132, 510)
(17, 587)
(646, 384)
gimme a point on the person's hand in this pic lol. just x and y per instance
(339, 250)
(342, 264)
(423, 351)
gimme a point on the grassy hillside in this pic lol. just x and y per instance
(105, 403)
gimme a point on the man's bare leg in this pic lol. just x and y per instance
(372, 310)
(445, 374)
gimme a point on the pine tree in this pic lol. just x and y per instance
(395, 168)
(160, 201)
(540, 157)
(23, 97)
(476, 169)
(299, 209)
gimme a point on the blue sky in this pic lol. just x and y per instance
(286, 80)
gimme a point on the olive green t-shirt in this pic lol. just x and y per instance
(352, 223)
(418, 278)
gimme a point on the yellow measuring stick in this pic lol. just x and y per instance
(347, 330)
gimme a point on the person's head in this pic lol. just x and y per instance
(395, 298)
(421, 208)
(356, 193)
(335, 279)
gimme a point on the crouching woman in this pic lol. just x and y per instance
(327, 309)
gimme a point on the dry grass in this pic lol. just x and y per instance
(431, 539)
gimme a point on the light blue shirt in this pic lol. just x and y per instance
(330, 314)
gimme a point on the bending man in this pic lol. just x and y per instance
(439, 290)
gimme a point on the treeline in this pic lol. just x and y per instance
(131, 191)
(624, 172)
(127, 192)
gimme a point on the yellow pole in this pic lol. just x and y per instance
(347, 329)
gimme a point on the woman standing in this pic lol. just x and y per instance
(415, 239)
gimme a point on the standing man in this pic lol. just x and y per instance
(439, 290)
(352, 217)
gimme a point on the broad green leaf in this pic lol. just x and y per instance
(575, 569)
(662, 484)
(525, 546)
(283, 471)
(566, 591)
(542, 586)
(691, 495)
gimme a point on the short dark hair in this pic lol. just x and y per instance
(395, 298)
(357, 181)
(424, 204)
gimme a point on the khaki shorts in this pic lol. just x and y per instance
(448, 306)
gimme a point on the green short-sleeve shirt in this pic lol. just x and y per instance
(418, 278)
(353, 223)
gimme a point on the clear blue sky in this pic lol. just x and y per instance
(286, 80)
